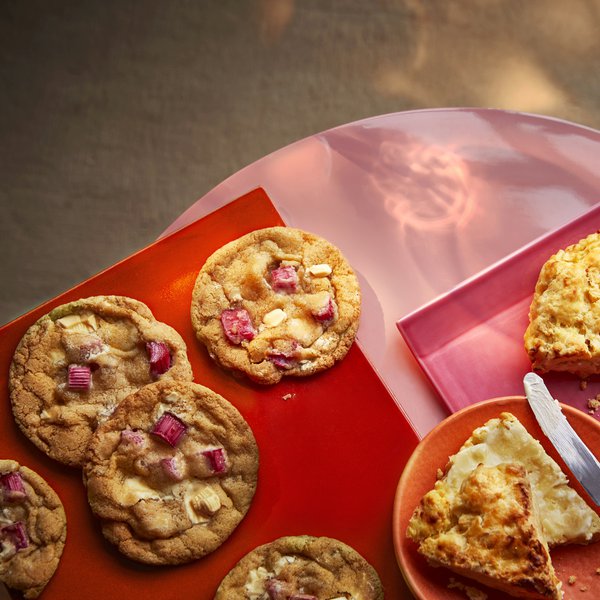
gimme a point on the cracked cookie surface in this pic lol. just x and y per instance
(276, 302)
(75, 364)
(33, 529)
(171, 473)
(315, 568)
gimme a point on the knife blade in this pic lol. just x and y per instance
(577, 456)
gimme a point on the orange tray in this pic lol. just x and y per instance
(330, 456)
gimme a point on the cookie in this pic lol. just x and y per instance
(75, 364)
(171, 472)
(276, 302)
(33, 529)
(302, 568)
(564, 320)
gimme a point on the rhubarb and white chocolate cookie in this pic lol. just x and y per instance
(277, 301)
(171, 472)
(33, 528)
(75, 364)
(302, 568)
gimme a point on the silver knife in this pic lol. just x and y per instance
(577, 456)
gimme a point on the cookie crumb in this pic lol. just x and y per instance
(287, 396)
(471, 592)
(593, 404)
(598, 571)
(582, 384)
(584, 588)
(572, 579)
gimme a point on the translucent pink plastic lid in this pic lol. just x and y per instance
(419, 202)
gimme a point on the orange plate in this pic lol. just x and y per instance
(428, 583)
(330, 456)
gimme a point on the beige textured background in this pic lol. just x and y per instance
(115, 116)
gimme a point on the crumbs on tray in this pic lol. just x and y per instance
(593, 404)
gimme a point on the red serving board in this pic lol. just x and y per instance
(330, 456)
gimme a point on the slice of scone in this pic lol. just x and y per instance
(492, 534)
(564, 317)
(565, 516)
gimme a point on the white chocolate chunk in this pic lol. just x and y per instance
(172, 397)
(255, 584)
(105, 412)
(58, 358)
(134, 489)
(324, 343)
(80, 327)
(188, 500)
(275, 317)
(206, 502)
(320, 270)
(79, 323)
(282, 562)
(68, 321)
(90, 321)
(306, 332)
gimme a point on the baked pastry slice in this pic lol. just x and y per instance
(565, 516)
(564, 317)
(492, 534)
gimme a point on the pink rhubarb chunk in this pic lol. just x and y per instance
(284, 358)
(15, 534)
(217, 459)
(160, 358)
(325, 314)
(132, 438)
(277, 589)
(284, 279)
(13, 489)
(237, 325)
(172, 468)
(169, 428)
(81, 347)
(79, 377)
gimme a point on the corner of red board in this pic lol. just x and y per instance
(332, 446)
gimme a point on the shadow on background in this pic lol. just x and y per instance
(115, 115)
